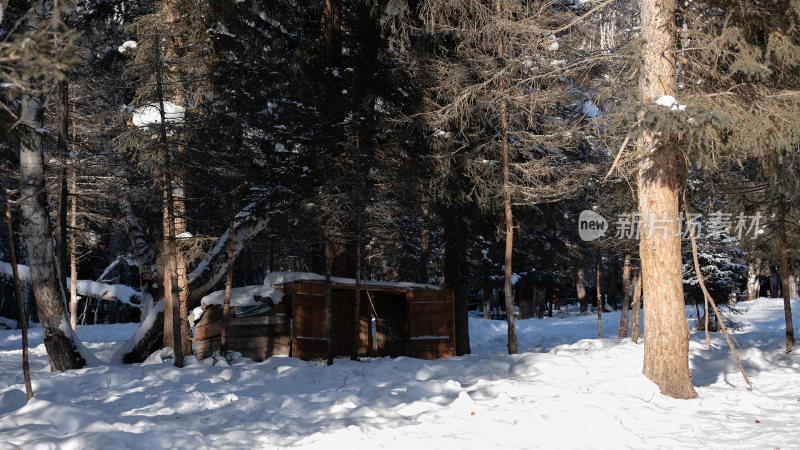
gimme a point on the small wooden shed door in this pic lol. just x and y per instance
(309, 327)
(431, 324)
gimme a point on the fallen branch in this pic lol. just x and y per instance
(708, 297)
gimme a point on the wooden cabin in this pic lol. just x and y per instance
(397, 319)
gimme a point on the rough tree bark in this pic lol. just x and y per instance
(509, 218)
(172, 308)
(626, 296)
(754, 280)
(73, 253)
(637, 301)
(61, 344)
(787, 305)
(226, 303)
(666, 344)
(580, 287)
(613, 279)
(62, 251)
(600, 306)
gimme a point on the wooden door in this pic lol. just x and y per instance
(431, 324)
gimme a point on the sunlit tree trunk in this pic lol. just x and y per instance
(626, 296)
(666, 344)
(47, 289)
(580, 287)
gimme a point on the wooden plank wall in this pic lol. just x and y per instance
(256, 337)
(431, 324)
(310, 328)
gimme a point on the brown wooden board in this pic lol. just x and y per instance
(244, 327)
(309, 326)
(431, 324)
(257, 350)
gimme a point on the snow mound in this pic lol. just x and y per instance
(127, 46)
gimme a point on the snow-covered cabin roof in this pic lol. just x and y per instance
(282, 278)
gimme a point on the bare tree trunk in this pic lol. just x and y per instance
(509, 218)
(613, 279)
(59, 340)
(456, 271)
(637, 301)
(754, 280)
(329, 301)
(61, 216)
(600, 306)
(183, 280)
(22, 320)
(73, 254)
(487, 297)
(666, 344)
(787, 305)
(626, 296)
(774, 283)
(226, 303)
(357, 303)
(172, 307)
(424, 243)
(580, 287)
(792, 278)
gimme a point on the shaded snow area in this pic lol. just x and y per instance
(564, 390)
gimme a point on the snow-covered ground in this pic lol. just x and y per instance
(565, 389)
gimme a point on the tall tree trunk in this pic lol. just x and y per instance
(456, 271)
(423, 275)
(774, 282)
(22, 320)
(598, 278)
(172, 295)
(637, 301)
(357, 302)
(754, 280)
(226, 303)
(61, 343)
(666, 344)
(62, 154)
(787, 305)
(626, 296)
(73, 253)
(580, 287)
(792, 278)
(509, 218)
(487, 297)
(329, 301)
(613, 280)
